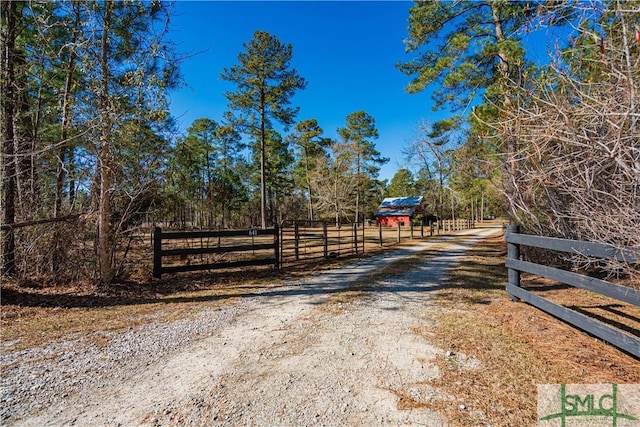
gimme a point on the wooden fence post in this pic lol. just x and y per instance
(157, 252)
(430, 228)
(325, 240)
(355, 237)
(398, 232)
(296, 239)
(513, 252)
(380, 234)
(276, 245)
(364, 237)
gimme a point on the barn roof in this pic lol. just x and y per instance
(399, 206)
(401, 202)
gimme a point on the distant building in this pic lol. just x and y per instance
(399, 210)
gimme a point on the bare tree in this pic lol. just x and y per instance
(336, 184)
(432, 151)
(578, 163)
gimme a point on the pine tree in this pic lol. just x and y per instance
(265, 85)
(358, 134)
(307, 138)
(132, 73)
(10, 18)
(402, 184)
(471, 51)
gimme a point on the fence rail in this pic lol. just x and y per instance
(515, 265)
(303, 241)
(290, 243)
(250, 247)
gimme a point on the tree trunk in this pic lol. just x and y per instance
(104, 159)
(335, 200)
(263, 184)
(57, 257)
(358, 185)
(511, 144)
(9, 11)
(33, 182)
(64, 126)
(306, 166)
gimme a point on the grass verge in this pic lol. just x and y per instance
(37, 315)
(516, 347)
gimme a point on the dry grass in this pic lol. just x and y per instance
(517, 345)
(36, 315)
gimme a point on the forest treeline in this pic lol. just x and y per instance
(90, 153)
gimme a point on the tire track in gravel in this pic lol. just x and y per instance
(291, 356)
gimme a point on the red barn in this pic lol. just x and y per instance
(399, 210)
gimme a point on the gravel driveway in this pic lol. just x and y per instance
(287, 356)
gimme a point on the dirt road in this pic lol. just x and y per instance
(309, 353)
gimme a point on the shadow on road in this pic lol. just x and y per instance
(426, 274)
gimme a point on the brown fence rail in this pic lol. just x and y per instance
(515, 265)
(207, 250)
(292, 242)
(303, 241)
(309, 241)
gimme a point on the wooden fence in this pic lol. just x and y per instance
(207, 250)
(303, 241)
(515, 265)
(453, 224)
(292, 242)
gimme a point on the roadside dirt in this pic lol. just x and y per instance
(336, 349)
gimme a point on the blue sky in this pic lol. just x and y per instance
(346, 51)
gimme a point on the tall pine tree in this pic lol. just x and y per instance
(358, 134)
(265, 85)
